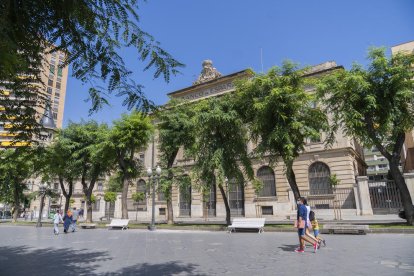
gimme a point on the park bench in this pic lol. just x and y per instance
(345, 229)
(88, 225)
(118, 223)
(247, 223)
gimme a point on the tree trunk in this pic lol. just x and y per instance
(124, 198)
(402, 186)
(89, 207)
(67, 202)
(170, 214)
(16, 203)
(226, 204)
(291, 178)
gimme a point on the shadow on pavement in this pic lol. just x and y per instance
(170, 268)
(289, 247)
(24, 260)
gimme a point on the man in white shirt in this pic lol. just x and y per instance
(56, 219)
(75, 216)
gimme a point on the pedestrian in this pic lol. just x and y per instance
(67, 221)
(75, 215)
(56, 219)
(301, 225)
(31, 215)
(315, 227)
(308, 223)
(81, 213)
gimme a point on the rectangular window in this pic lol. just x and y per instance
(50, 82)
(267, 210)
(49, 90)
(55, 116)
(52, 69)
(59, 71)
(57, 95)
(58, 85)
(162, 211)
(100, 187)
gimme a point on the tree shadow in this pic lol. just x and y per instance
(169, 268)
(23, 260)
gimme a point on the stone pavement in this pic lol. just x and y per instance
(31, 251)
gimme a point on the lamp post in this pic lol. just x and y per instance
(42, 192)
(155, 178)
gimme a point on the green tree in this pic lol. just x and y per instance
(16, 167)
(92, 34)
(90, 146)
(375, 105)
(128, 135)
(137, 197)
(59, 162)
(280, 116)
(175, 131)
(220, 147)
(111, 198)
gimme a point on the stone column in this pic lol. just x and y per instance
(118, 206)
(363, 196)
(357, 199)
(409, 180)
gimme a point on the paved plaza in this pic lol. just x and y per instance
(30, 251)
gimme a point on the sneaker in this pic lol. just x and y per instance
(315, 247)
(298, 250)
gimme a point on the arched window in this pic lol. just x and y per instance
(319, 174)
(185, 196)
(267, 176)
(142, 188)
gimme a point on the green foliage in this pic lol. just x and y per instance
(128, 135)
(279, 112)
(280, 115)
(220, 149)
(92, 34)
(71, 201)
(333, 180)
(373, 105)
(114, 183)
(110, 197)
(16, 167)
(257, 185)
(137, 197)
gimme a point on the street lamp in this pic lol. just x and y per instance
(155, 178)
(42, 192)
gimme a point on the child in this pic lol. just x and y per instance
(56, 219)
(315, 226)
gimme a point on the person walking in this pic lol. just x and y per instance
(315, 227)
(75, 216)
(67, 221)
(56, 219)
(308, 223)
(301, 225)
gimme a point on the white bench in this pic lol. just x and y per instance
(345, 229)
(118, 223)
(247, 223)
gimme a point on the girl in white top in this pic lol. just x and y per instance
(56, 219)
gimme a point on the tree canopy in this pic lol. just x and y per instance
(375, 105)
(280, 115)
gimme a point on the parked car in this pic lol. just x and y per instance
(401, 213)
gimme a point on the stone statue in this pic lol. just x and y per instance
(208, 73)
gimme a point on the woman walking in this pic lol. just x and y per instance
(67, 221)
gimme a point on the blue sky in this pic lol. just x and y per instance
(233, 32)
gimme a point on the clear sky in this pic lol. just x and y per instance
(232, 33)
